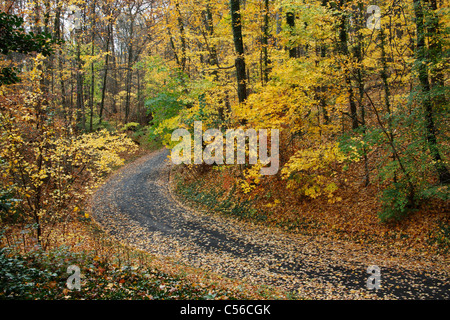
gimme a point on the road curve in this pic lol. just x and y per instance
(136, 207)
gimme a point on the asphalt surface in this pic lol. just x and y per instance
(136, 207)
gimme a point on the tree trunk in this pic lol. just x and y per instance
(323, 88)
(239, 47)
(422, 66)
(387, 92)
(129, 74)
(57, 35)
(361, 86)
(213, 59)
(182, 37)
(115, 84)
(265, 44)
(91, 100)
(81, 116)
(438, 74)
(105, 75)
(290, 20)
(343, 45)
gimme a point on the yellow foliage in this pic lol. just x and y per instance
(309, 170)
(50, 168)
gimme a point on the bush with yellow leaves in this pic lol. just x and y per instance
(46, 165)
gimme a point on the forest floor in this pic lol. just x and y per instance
(138, 207)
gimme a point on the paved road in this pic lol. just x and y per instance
(136, 207)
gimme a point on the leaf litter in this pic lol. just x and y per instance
(137, 207)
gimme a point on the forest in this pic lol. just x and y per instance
(357, 89)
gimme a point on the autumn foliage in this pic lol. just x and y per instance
(346, 84)
(47, 169)
(359, 93)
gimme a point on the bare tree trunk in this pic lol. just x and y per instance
(105, 76)
(239, 47)
(290, 20)
(209, 24)
(343, 45)
(265, 43)
(129, 75)
(423, 71)
(57, 34)
(437, 74)
(361, 86)
(91, 100)
(182, 37)
(115, 85)
(81, 116)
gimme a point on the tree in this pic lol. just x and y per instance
(422, 61)
(265, 43)
(241, 73)
(14, 38)
(344, 51)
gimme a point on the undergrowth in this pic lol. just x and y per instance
(109, 270)
(43, 275)
(354, 219)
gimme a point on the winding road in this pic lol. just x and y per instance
(136, 206)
